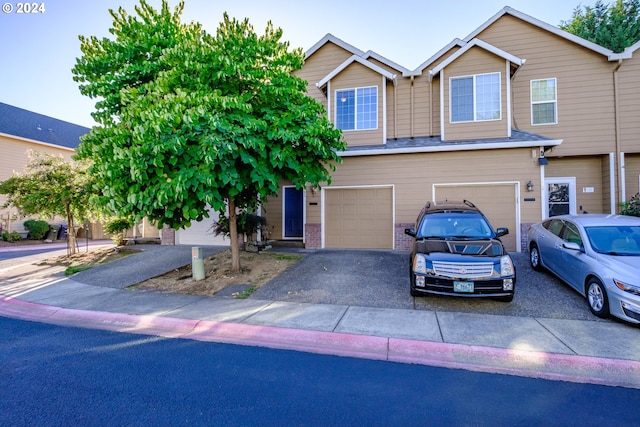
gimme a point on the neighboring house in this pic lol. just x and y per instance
(22, 131)
(521, 118)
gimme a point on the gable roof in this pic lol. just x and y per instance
(39, 128)
(479, 43)
(349, 61)
(611, 55)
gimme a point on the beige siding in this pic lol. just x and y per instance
(13, 159)
(355, 76)
(588, 174)
(586, 120)
(629, 104)
(413, 175)
(475, 61)
(632, 171)
(319, 65)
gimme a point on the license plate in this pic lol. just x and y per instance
(462, 286)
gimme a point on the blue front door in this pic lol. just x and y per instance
(293, 212)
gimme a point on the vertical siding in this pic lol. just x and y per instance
(586, 120)
(476, 61)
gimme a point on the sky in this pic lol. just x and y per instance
(38, 50)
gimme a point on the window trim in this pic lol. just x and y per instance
(475, 111)
(554, 101)
(355, 112)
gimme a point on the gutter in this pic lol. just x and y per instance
(448, 148)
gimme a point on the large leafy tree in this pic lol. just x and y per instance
(615, 26)
(189, 119)
(50, 186)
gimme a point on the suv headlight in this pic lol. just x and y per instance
(506, 266)
(419, 264)
(627, 287)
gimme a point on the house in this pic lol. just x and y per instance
(22, 131)
(521, 118)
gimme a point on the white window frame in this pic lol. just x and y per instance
(475, 112)
(554, 102)
(355, 112)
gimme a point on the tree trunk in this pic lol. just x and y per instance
(233, 235)
(71, 233)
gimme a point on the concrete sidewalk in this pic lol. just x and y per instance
(573, 350)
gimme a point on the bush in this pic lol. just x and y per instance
(117, 227)
(37, 229)
(632, 207)
(14, 236)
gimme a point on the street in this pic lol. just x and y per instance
(69, 376)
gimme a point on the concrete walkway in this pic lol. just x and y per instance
(605, 353)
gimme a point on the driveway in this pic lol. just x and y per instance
(372, 278)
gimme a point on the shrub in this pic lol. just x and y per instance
(117, 227)
(632, 207)
(13, 236)
(37, 229)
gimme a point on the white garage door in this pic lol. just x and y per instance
(359, 218)
(496, 201)
(201, 233)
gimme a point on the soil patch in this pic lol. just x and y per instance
(257, 269)
(85, 260)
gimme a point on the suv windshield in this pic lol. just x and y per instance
(454, 225)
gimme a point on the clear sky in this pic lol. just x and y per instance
(37, 51)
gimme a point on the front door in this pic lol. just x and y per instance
(560, 196)
(293, 213)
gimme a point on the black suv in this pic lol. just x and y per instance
(456, 252)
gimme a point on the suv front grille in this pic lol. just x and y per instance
(473, 270)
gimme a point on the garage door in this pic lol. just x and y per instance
(200, 233)
(359, 218)
(496, 201)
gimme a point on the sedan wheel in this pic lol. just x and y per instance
(534, 258)
(597, 297)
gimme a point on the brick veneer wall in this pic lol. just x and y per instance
(167, 236)
(402, 241)
(313, 236)
(524, 238)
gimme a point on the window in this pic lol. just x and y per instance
(544, 102)
(357, 109)
(475, 98)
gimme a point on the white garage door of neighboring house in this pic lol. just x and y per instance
(497, 201)
(201, 233)
(358, 218)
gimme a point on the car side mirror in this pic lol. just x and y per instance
(502, 231)
(410, 232)
(573, 246)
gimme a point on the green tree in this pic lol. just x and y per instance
(50, 186)
(614, 26)
(187, 118)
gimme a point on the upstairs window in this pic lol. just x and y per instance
(544, 102)
(357, 109)
(475, 98)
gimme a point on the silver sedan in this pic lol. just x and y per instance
(597, 255)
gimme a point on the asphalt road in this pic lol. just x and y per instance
(380, 279)
(61, 376)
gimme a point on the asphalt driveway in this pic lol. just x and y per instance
(376, 278)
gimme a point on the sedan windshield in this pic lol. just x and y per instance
(454, 225)
(615, 240)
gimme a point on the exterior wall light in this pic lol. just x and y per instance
(529, 186)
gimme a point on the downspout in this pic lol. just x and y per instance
(616, 115)
(430, 106)
(412, 108)
(395, 109)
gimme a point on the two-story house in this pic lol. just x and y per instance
(519, 117)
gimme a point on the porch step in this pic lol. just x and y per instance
(286, 244)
